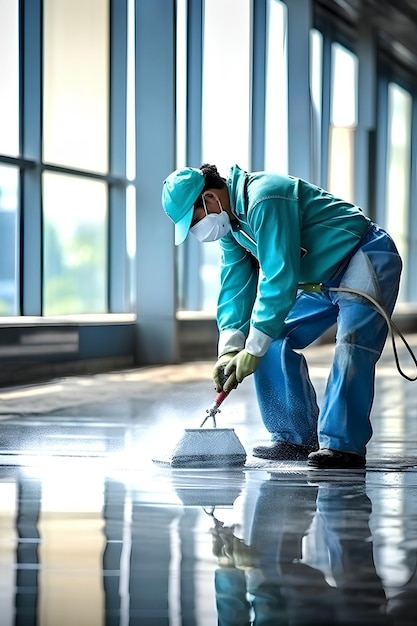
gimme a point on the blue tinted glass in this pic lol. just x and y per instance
(74, 245)
(9, 77)
(9, 193)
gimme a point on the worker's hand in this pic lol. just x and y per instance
(219, 377)
(241, 365)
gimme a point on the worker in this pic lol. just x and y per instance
(291, 255)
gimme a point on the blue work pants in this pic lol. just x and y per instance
(286, 396)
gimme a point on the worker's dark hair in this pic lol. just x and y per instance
(212, 180)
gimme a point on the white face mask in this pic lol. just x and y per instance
(213, 226)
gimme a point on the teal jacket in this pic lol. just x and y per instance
(287, 232)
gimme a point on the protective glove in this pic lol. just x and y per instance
(230, 550)
(240, 366)
(219, 377)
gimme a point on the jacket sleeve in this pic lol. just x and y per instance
(239, 277)
(233, 607)
(276, 223)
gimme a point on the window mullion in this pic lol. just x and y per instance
(31, 148)
(117, 152)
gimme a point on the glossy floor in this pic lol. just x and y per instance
(93, 532)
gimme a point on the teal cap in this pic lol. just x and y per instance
(179, 193)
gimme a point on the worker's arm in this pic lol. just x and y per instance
(276, 224)
(239, 279)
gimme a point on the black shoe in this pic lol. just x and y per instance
(282, 451)
(335, 459)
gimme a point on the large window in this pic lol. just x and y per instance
(343, 122)
(9, 202)
(67, 167)
(76, 75)
(226, 83)
(276, 96)
(316, 95)
(76, 95)
(9, 77)
(77, 273)
(74, 245)
(130, 163)
(398, 171)
(226, 109)
(9, 145)
(181, 84)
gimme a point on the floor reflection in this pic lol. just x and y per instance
(92, 533)
(309, 559)
(81, 546)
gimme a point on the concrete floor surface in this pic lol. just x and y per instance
(93, 531)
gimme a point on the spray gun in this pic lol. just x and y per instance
(214, 408)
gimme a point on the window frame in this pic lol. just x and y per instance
(31, 165)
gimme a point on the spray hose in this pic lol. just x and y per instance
(391, 325)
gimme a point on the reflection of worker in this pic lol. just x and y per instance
(335, 583)
(280, 235)
(235, 558)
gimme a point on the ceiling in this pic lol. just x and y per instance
(395, 23)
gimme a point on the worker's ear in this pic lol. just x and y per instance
(212, 201)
